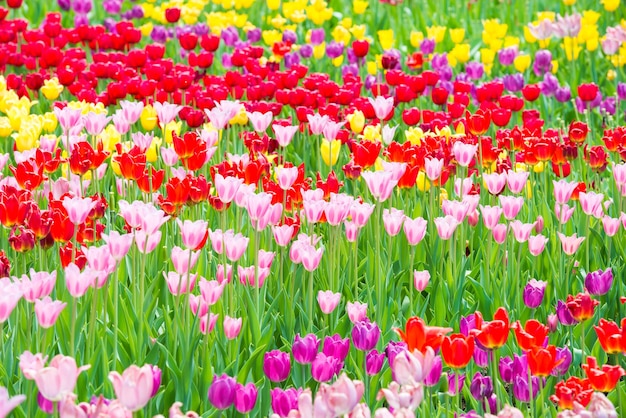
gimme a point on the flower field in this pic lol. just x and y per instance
(312, 208)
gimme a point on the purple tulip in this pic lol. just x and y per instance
(254, 35)
(434, 376)
(599, 282)
(534, 293)
(543, 62)
(334, 49)
(306, 51)
(159, 34)
(506, 56)
(481, 386)
(452, 383)
(226, 60)
(608, 106)
(350, 69)
(112, 7)
(290, 36)
(374, 362)
(365, 335)
(439, 61)
(245, 397)
(521, 390)
(65, 5)
(563, 94)
(284, 401)
(481, 357)
(82, 6)
(291, 59)
(325, 367)
(276, 365)
(549, 85)
(304, 349)
(505, 366)
(467, 324)
(222, 391)
(562, 353)
(336, 347)
(564, 315)
(393, 349)
(427, 46)
(474, 70)
(621, 91)
(513, 82)
(317, 36)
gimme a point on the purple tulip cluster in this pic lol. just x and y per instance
(226, 392)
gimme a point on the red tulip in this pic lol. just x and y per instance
(602, 379)
(492, 334)
(360, 48)
(541, 361)
(578, 132)
(533, 334)
(531, 92)
(418, 335)
(581, 306)
(172, 14)
(611, 337)
(588, 92)
(572, 390)
(457, 350)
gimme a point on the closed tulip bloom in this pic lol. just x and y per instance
(457, 350)
(78, 283)
(356, 311)
(511, 206)
(324, 368)
(536, 244)
(516, 181)
(533, 334)
(119, 245)
(393, 220)
(457, 209)
(421, 279)
(491, 216)
(335, 346)
(379, 183)
(563, 190)
(446, 226)
(134, 387)
(207, 323)
(534, 292)
(283, 234)
(193, 233)
(236, 245)
(434, 376)
(571, 243)
(232, 327)
(276, 365)
(521, 231)
(8, 404)
(464, 153)
(284, 401)
(382, 106)
(365, 335)
(456, 381)
(374, 362)
(78, 208)
(433, 167)
(58, 378)
(564, 315)
(599, 282)
(286, 177)
(184, 260)
(499, 233)
(590, 202)
(38, 285)
(47, 311)
(411, 368)
(260, 121)
(610, 336)
(166, 112)
(610, 225)
(284, 134)
(311, 257)
(495, 182)
(564, 360)
(542, 360)
(414, 229)
(227, 187)
(304, 349)
(245, 397)
(328, 300)
(481, 386)
(147, 243)
(563, 213)
(222, 392)
(581, 306)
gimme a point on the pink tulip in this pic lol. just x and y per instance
(260, 121)
(121, 124)
(183, 260)
(68, 118)
(118, 244)
(236, 245)
(284, 134)
(352, 231)
(58, 378)
(446, 226)
(590, 202)
(258, 204)
(536, 244)
(283, 234)
(382, 106)
(220, 276)
(563, 190)
(539, 224)
(312, 194)
(232, 327)
(207, 323)
(247, 275)
(99, 258)
(313, 210)
(403, 398)
(152, 219)
(133, 388)
(421, 279)
(396, 169)
(78, 209)
(227, 187)
(331, 129)
(47, 311)
(311, 257)
(357, 311)
(328, 300)
(521, 231)
(499, 233)
(336, 212)
(30, 364)
(197, 305)
(95, 123)
(511, 206)
(464, 153)
(516, 180)
(343, 395)
(570, 243)
(393, 220)
(619, 174)
(610, 225)
(379, 183)
(286, 177)
(472, 201)
(8, 404)
(491, 216)
(211, 290)
(458, 210)
(78, 282)
(361, 212)
(317, 123)
(266, 258)
(433, 167)
(472, 218)
(217, 240)
(563, 212)
(193, 233)
(179, 284)
(166, 112)
(169, 156)
(414, 229)
(412, 368)
(495, 182)
(38, 285)
(462, 187)
(132, 110)
(147, 243)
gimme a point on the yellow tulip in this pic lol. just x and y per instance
(555, 66)
(569, 2)
(443, 195)
(5, 127)
(359, 6)
(385, 37)
(146, 29)
(457, 35)
(151, 152)
(590, 17)
(319, 51)
(422, 183)
(273, 4)
(338, 61)
(170, 128)
(572, 49)
(241, 118)
(26, 139)
(346, 22)
(330, 151)
(148, 118)
(49, 122)
(610, 5)
(341, 34)
(461, 52)
(372, 67)
(414, 135)
(3, 84)
(546, 15)
(372, 133)
(270, 37)
(356, 121)
(51, 88)
(437, 33)
(416, 38)
(610, 75)
(487, 56)
(529, 190)
(592, 44)
(511, 41)
(528, 36)
(521, 63)
(110, 137)
(358, 31)
(538, 168)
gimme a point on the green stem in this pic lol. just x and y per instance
(310, 301)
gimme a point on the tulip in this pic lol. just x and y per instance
(481, 386)
(324, 368)
(570, 243)
(418, 336)
(222, 392)
(284, 401)
(446, 226)
(374, 362)
(8, 404)
(207, 323)
(581, 306)
(304, 349)
(356, 311)
(464, 153)
(599, 282)
(534, 293)
(610, 336)
(245, 397)
(336, 347)
(511, 206)
(276, 365)
(457, 350)
(232, 327)
(415, 230)
(59, 378)
(421, 279)
(602, 379)
(365, 335)
(48, 311)
(541, 361)
(533, 334)
(493, 334)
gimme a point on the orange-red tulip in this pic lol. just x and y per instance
(457, 350)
